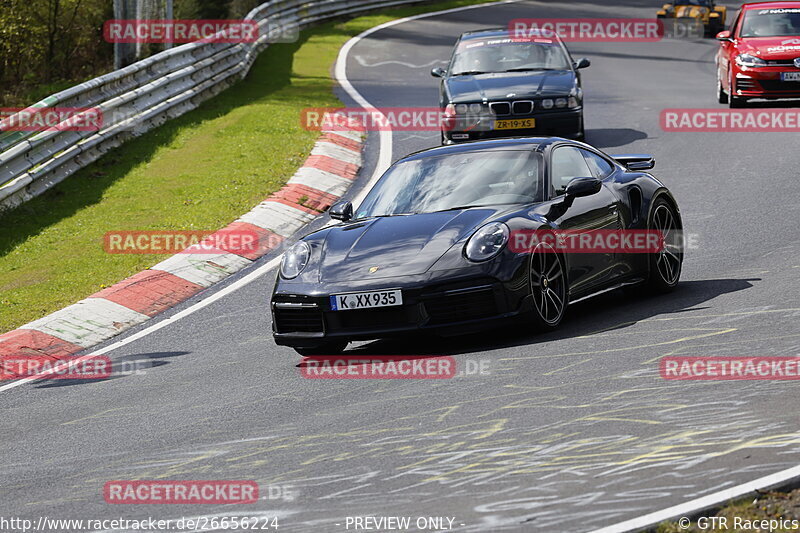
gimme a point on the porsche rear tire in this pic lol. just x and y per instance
(665, 265)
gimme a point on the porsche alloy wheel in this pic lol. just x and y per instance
(665, 265)
(548, 286)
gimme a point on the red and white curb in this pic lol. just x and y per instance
(326, 175)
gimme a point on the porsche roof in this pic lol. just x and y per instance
(519, 143)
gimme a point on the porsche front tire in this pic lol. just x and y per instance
(548, 287)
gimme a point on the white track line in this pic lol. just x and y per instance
(385, 153)
(384, 160)
(712, 500)
(236, 285)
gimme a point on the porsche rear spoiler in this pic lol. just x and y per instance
(635, 161)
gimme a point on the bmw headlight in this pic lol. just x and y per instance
(295, 260)
(574, 98)
(461, 109)
(746, 60)
(475, 109)
(487, 242)
(547, 103)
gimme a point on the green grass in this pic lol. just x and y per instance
(770, 506)
(200, 171)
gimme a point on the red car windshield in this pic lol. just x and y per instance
(783, 22)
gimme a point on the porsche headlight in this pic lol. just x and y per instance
(746, 60)
(295, 260)
(487, 242)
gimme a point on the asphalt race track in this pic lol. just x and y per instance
(568, 431)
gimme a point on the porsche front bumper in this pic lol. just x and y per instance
(302, 314)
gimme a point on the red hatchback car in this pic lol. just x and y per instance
(760, 56)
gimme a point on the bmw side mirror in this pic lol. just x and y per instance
(342, 211)
(438, 72)
(578, 187)
(724, 36)
(582, 63)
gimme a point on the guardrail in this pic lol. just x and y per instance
(144, 95)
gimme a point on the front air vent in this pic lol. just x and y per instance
(500, 108)
(522, 107)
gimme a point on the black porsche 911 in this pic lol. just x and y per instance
(429, 247)
(499, 85)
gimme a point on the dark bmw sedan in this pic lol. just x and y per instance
(500, 85)
(444, 242)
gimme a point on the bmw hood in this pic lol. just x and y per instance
(498, 86)
(395, 246)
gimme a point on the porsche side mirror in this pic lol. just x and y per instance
(578, 187)
(438, 72)
(582, 63)
(342, 211)
(724, 36)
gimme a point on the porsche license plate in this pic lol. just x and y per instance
(515, 124)
(366, 300)
(790, 76)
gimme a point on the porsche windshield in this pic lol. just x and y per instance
(771, 23)
(453, 181)
(504, 55)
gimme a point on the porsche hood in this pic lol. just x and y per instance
(395, 246)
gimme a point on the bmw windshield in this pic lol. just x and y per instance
(508, 55)
(453, 181)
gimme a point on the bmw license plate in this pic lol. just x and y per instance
(790, 76)
(515, 124)
(366, 300)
